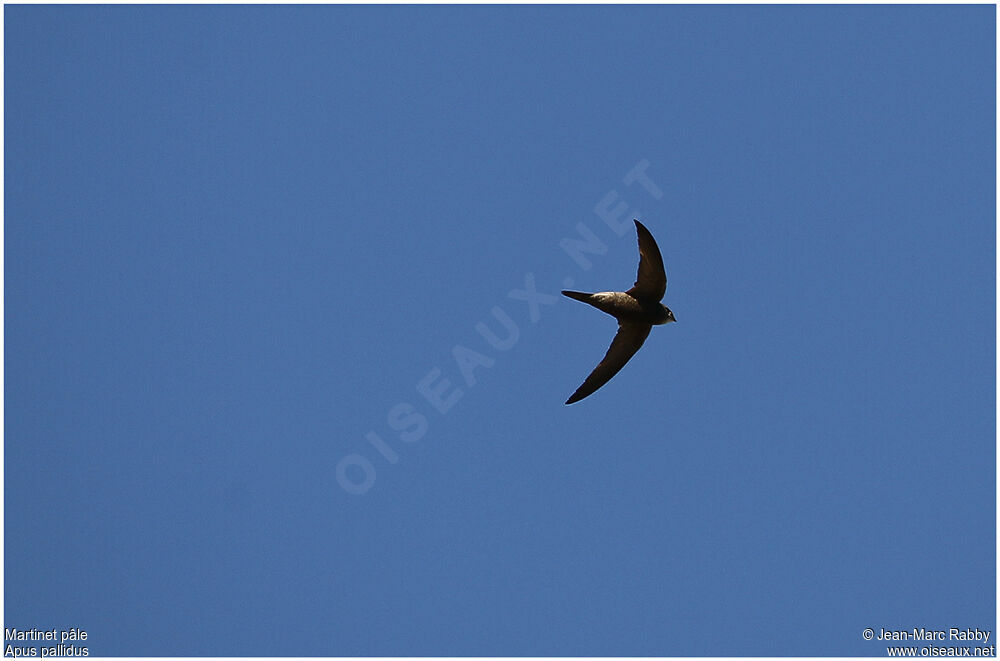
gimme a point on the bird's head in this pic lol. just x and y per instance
(666, 316)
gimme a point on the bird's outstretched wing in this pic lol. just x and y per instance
(628, 340)
(651, 283)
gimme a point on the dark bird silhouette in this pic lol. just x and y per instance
(637, 311)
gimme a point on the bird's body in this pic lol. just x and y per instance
(624, 307)
(637, 311)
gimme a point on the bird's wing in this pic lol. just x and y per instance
(651, 283)
(628, 340)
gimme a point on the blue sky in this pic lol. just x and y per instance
(237, 239)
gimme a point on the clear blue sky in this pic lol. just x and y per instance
(238, 238)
